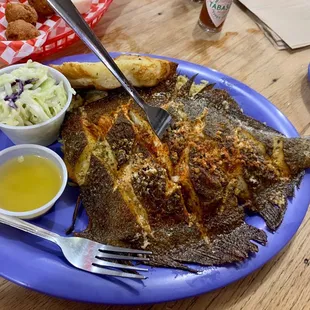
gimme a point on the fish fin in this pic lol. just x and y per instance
(232, 247)
(271, 202)
(297, 154)
(168, 262)
(204, 90)
(227, 248)
(185, 88)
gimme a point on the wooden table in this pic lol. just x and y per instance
(170, 28)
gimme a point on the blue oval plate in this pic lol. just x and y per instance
(39, 265)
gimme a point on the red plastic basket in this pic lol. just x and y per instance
(63, 36)
(55, 35)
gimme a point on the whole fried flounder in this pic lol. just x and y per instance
(185, 197)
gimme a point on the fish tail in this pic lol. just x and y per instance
(297, 154)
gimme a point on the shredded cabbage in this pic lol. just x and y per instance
(29, 95)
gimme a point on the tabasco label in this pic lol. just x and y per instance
(218, 10)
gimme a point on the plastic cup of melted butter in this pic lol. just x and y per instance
(32, 178)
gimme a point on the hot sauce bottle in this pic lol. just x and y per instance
(213, 14)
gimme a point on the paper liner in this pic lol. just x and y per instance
(52, 28)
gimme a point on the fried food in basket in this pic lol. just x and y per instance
(21, 30)
(16, 11)
(42, 7)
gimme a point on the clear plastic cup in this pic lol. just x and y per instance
(30, 149)
(46, 132)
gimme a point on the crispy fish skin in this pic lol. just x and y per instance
(74, 141)
(185, 197)
(109, 225)
(172, 235)
(270, 164)
(140, 71)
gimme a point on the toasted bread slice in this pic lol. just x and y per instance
(141, 71)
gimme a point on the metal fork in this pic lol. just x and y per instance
(85, 254)
(159, 119)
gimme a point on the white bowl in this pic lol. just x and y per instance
(46, 132)
(30, 149)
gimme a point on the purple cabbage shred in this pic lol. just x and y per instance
(15, 96)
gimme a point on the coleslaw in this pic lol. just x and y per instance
(29, 95)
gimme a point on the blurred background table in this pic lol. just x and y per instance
(170, 28)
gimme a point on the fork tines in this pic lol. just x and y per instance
(107, 253)
(110, 248)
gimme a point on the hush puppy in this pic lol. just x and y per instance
(21, 30)
(15, 11)
(42, 7)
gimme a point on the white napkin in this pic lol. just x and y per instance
(277, 42)
(283, 20)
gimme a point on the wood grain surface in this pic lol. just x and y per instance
(169, 27)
